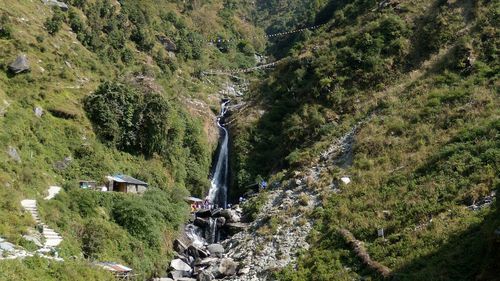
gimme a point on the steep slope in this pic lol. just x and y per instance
(112, 87)
(417, 83)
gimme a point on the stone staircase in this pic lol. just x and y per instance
(52, 238)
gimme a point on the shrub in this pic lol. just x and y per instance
(139, 220)
(54, 24)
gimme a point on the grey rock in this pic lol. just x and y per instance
(38, 111)
(235, 227)
(180, 265)
(230, 215)
(227, 267)
(163, 279)
(21, 64)
(216, 250)
(206, 261)
(167, 43)
(201, 222)
(205, 276)
(63, 164)
(244, 270)
(179, 247)
(12, 152)
(33, 239)
(55, 3)
(221, 221)
(178, 274)
(197, 252)
(6, 246)
(216, 212)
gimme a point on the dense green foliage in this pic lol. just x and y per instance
(146, 123)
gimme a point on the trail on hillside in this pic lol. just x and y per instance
(43, 236)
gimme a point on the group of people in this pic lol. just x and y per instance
(205, 205)
(208, 205)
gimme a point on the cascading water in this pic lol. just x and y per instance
(212, 231)
(195, 234)
(218, 190)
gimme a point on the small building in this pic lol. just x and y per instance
(88, 185)
(126, 184)
(121, 272)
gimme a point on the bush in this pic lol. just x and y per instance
(140, 221)
(54, 24)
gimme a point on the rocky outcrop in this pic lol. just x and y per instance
(198, 254)
(263, 247)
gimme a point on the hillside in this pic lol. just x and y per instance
(373, 124)
(410, 90)
(113, 87)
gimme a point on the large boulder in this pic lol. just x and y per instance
(179, 247)
(216, 212)
(180, 265)
(206, 262)
(196, 252)
(54, 3)
(201, 222)
(204, 213)
(21, 64)
(227, 267)
(216, 250)
(230, 215)
(235, 227)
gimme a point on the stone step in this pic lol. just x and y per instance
(53, 242)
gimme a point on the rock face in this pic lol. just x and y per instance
(20, 65)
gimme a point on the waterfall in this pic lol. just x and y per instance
(212, 231)
(218, 190)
